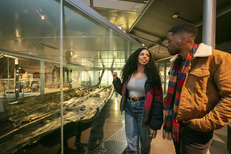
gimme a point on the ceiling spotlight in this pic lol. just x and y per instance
(42, 17)
(175, 15)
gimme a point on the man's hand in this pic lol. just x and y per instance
(114, 75)
(152, 133)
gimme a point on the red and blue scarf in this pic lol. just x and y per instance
(176, 81)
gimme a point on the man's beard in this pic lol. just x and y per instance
(173, 52)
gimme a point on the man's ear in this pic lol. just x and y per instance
(184, 39)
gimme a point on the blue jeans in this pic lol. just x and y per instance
(135, 130)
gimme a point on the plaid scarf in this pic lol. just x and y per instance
(177, 78)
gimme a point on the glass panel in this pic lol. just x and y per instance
(164, 72)
(30, 77)
(121, 13)
(167, 75)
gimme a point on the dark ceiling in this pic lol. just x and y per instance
(31, 28)
(150, 26)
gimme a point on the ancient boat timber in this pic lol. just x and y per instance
(31, 118)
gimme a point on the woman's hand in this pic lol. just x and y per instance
(114, 75)
(152, 133)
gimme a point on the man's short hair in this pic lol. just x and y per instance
(184, 27)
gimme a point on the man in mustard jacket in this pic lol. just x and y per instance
(199, 92)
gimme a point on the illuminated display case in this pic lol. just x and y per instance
(164, 68)
(53, 57)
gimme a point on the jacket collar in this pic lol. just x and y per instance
(202, 51)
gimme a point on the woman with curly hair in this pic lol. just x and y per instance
(142, 98)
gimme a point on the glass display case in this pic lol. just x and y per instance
(56, 61)
(164, 68)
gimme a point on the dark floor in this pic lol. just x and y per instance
(105, 134)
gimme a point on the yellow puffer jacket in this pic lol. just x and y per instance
(206, 94)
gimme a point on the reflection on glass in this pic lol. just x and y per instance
(164, 69)
(30, 73)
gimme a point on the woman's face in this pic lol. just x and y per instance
(143, 57)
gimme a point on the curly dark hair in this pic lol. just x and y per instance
(151, 70)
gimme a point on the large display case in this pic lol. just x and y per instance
(52, 56)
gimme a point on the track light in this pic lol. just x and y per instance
(176, 15)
